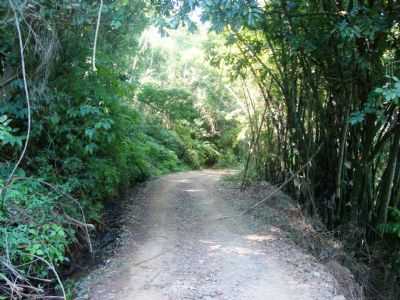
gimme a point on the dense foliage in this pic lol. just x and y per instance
(93, 122)
(185, 93)
(327, 79)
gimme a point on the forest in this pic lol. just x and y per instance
(96, 96)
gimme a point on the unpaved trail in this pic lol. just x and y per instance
(185, 251)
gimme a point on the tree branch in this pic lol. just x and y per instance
(28, 105)
(96, 35)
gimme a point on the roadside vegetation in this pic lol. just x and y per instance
(98, 95)
(323, 92)
(97, 121)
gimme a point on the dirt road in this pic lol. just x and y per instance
(185, 251)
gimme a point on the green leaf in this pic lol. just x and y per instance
(356, 117)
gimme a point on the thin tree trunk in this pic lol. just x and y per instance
(388, 180)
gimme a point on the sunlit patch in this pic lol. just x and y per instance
(274, 229)
(180, 180)
(260, 238)
(207, 242)
(215, 247)
(241, 251)
(194, 190)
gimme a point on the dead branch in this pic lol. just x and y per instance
(286, 182)
(53, 269)
(276, 190)
(151, 258)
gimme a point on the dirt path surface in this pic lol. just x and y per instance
(181, 250)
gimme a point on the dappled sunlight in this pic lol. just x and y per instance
(275, 229)
(242, 251)
(180, 180)
(207, 122)
(194, 190)
(260, 238)
(215, 248)
(207, 242)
